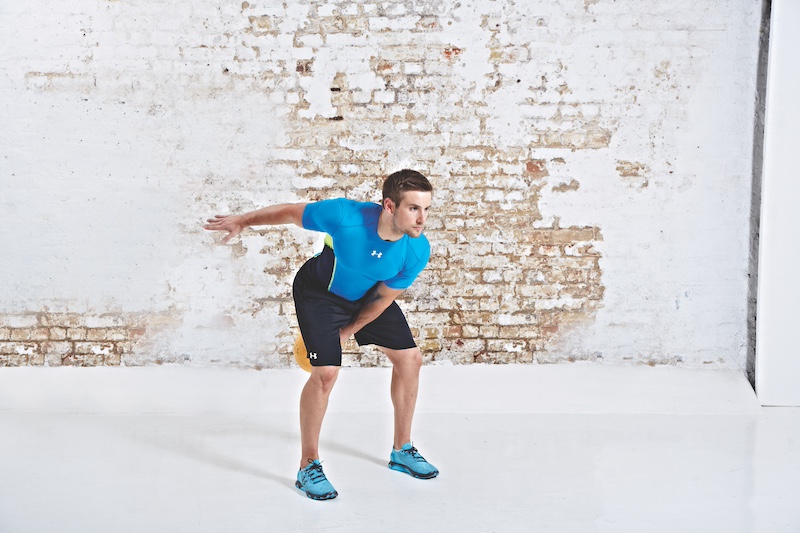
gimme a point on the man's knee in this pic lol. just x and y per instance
(415, 357)
(410, 359)
(325, 376)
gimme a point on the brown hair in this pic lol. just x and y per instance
(396, 184)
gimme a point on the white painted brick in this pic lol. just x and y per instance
(311, 41)
(346, 40)
(361, 97)
(474, 155)
(384, 97)
(599, 83)
(327, 10)
(411, 67)
(395, 10)
(350, 169)
(103, 321)
(302, 53)
(350, 10)
(379, 23)
(422, 127)
(18, 321)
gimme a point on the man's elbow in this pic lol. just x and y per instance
(388, 294)
(294, 214)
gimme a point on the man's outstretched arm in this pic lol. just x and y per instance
(270, 216)
(380, 298)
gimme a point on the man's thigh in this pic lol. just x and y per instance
(320, 316)
(389, 330)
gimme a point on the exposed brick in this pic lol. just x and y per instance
(19, 353)
(82, 359)
(8, 348)
(107, 334)
(350, 89)
(58, 333)
(506, 346)
(76, 334)
(13, 360)
(20, 334)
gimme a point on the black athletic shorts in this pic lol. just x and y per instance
(321, 314)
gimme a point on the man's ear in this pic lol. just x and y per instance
(388, 205)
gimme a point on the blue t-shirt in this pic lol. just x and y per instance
(360, 257)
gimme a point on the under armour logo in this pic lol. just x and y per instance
(376, 253)
(312, 355)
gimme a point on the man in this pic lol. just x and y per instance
(372, 253)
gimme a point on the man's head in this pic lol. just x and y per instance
(407, 197)
(398, 183)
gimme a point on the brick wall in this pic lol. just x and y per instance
(591, 163)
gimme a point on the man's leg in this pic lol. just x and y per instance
(405, 386)
(313, 404)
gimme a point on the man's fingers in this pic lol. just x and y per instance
(217, 223)
(231, 234)
(221, 223)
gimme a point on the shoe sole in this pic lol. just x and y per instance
(318, 497)
(407, 470)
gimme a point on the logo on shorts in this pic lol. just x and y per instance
(376, 253)
(312, 355)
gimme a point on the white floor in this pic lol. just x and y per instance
(562, 448)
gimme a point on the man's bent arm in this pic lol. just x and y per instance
(381, 298)
(272, 215)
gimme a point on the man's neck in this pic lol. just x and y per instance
(386, 229)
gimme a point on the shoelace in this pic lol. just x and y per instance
(315, 473)
(414, 453)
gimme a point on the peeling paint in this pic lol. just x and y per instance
(573, 185)
(540, 124)
(633, 174)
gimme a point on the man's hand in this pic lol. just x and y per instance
(233, 224)
(270, 216)
(376, 303)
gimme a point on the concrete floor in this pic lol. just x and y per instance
(560, 448)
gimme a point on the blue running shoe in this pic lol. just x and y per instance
(313, 482)
(408, 460)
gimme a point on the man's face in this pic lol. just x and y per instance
(409, 217)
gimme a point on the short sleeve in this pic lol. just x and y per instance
(417, 262)
(325, 215)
